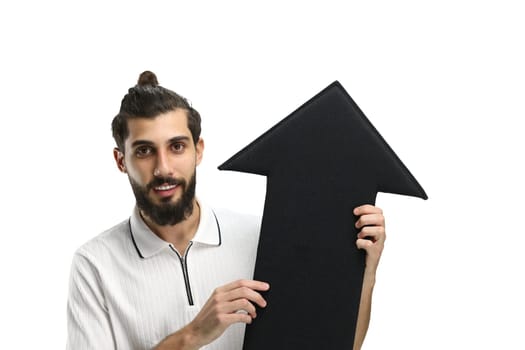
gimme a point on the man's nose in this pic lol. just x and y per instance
(163, 168)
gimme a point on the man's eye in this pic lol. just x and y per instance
(177, 147)
(143, 151)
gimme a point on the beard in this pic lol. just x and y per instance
(166, 213)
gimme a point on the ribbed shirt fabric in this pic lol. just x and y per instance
(129, 289)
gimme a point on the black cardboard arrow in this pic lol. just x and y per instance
(321, 162)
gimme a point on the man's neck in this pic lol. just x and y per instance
(179, 234)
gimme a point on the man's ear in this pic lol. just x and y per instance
(119, 159)
(199, 148)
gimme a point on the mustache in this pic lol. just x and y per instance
(158, 181)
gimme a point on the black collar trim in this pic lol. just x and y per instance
(137, 247)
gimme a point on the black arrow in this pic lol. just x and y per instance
(321, 162)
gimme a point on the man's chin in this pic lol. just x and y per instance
(157, 199)
(165, 208)
(167, 201)
(168, 214)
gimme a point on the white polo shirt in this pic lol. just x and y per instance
(129, 289)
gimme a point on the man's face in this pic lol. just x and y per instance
(160, 160)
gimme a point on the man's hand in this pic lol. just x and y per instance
(222, 309)
(372, 236)
(229, 304)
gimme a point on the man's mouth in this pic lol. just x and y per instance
(164, 187)
(165, 190)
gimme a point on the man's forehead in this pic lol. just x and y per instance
(160, 128)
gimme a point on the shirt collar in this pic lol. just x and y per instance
(148, 243)
(209, 230)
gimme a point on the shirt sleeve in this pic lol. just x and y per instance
(88, 323)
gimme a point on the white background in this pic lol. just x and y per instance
(443, 82)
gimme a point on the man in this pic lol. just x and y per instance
(177, 274)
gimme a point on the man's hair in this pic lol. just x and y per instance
(148, 99)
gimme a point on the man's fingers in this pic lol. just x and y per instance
(364, 244)
(376, 233)
(245, 293)
(252, 284)
(232, 318)
(240, 305)
(240, 295)
(370, 220)
(367, 209)
(241, 289)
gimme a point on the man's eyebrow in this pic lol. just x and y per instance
(175, 139)
(141, 143)
(178, 139)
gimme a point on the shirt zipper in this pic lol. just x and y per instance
(184, 265)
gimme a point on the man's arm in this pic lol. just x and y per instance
(88, 321)
(220, 311)
(371, 238)
(88, 325)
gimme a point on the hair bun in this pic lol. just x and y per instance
(148, 78)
